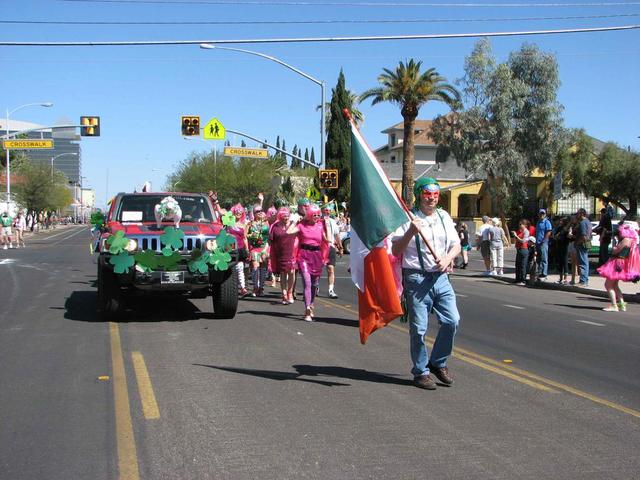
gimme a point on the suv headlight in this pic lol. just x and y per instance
(132, 245)
(210, 244)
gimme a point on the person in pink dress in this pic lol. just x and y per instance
(239, 232)
(624, 264)
(312, 247)
(283, 245)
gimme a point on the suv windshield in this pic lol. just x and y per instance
(140, 208)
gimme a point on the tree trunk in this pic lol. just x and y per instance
(408, 154)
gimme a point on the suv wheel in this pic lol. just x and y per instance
(225, 296)
(110, 300)
(346, 245)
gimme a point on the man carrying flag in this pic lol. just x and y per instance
(426, 282)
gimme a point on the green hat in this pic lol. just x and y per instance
(303, 201)
(428, 183)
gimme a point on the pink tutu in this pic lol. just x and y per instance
(625, 269)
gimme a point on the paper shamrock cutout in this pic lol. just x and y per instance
(117, 242)
(220, 260)
(97, 219)
(167, 251)
(200, 263)
(146, 260)
(169, 263)
(224, 240)
(121, 262)
(172, 238)
(229, 219)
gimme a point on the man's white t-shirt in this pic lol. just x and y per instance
(483, 231)
(441, 232)
(332, 230)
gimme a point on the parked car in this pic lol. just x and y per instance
(595, 238)
(141, 251)
(345, 238)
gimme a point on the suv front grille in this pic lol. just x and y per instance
(153, 243)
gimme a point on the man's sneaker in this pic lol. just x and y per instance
(583, 284)
(5, 247)
(424, 381)
(622, 306)
(442, 374)
(542, 278)
(332, 294)
(611, 308)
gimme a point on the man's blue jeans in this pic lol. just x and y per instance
(428, 292)
(543, 258)
(583, 263)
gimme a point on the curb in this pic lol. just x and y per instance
(630, 298)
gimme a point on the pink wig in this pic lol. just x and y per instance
(283, 212)
(238, 208)
(312, 210)
(272, 212)
(627, 231)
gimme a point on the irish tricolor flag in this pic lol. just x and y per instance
(376, 212)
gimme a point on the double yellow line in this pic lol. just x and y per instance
(125, 439)
(517, 374)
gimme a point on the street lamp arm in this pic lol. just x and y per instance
(42, 104)
(208, 46)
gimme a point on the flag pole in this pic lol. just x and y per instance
(410, 215)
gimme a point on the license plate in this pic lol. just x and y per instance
(172, 277)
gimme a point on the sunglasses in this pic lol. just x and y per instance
(316, 215)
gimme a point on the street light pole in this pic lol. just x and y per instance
(208, 46)
(42, 104)
(60, 155)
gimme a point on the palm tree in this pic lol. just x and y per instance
(410, 89)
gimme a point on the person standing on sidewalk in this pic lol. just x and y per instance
(426, 282)
(604, 230)
(522, 251)
(583, 245)
(561, 238)
(543, 232)
(624, 265)
(6, 222)
(496, 234)
(483, 243)
(463, 233)
(20, 224)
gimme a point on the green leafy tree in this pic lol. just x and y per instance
(509, 124)
(613, 174)
(37, 187)
(338, 144)
(410, 89)
(312, 158)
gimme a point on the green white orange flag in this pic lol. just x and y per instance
(376, 212)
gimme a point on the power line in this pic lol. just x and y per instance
(359, 4)
(316, 22)
(319, 39)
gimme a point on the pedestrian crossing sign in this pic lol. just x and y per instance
(214, 130)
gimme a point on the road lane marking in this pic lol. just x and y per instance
(461, 295)
(126, 442)
(513, 306)
(591, 323)
(543, 382)
(147, 397)
(69, 236)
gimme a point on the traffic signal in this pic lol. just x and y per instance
(90, 126)
(190, 126)
(328, 178)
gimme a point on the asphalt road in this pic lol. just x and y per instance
(171, 393)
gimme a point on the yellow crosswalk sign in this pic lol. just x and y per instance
(214, 130)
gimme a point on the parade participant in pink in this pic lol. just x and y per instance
(258, 236)
(282, 252)
(624, 264)
(239, 232)
(312, 242)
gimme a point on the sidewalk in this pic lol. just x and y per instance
(631, 291)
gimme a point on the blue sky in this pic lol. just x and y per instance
(141, 92)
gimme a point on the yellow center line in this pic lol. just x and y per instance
(147, 397)
(126, 443)
(515, 373)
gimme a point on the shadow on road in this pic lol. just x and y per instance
(303, 371)
(81, 306)
(576, 307)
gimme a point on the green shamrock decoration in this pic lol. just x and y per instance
(117, 242)
(172, 238)
(121, 262)
(220, 260)
(229, 219)
(169, 263)
(97, 219)
(167, 251)
(146, 260)
(224, 240)
(199, 264)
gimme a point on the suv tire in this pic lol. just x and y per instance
(225, 296)
(110, 301)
